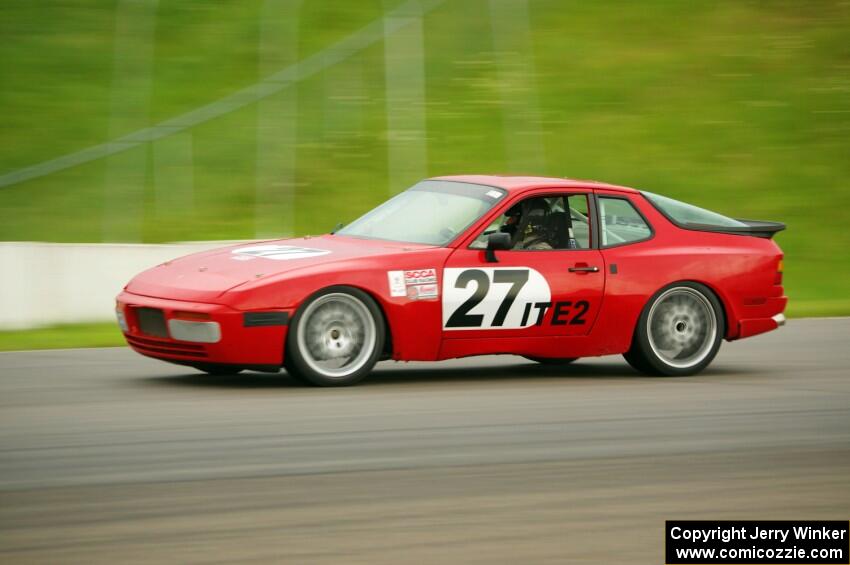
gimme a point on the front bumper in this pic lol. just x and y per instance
(225, 336)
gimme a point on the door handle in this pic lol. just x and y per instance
(584, 269)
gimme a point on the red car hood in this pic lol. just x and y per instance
(205, 276)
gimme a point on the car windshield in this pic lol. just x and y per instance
(683, 213)
(432, 212)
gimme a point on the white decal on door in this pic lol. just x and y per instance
(494, 298)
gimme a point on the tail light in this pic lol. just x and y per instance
(778, 278)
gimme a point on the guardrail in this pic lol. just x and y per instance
(58, 283)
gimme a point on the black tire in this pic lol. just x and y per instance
(636, 360)
(684, 328)
(300, 361)
(220, 370)
(551, 361)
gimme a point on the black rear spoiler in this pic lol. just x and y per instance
(755, 228)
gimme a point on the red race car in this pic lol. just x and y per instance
(550, 269)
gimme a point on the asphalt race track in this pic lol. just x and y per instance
(111, 457)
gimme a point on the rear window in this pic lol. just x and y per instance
(620, 222)
(687, 214)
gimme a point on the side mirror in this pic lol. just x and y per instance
(498, 240)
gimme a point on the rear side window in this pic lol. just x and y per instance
(687, 214)
(620, 222)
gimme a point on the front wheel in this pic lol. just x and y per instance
(335, 338)
(679, 331)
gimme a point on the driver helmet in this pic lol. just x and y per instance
(536, 212)
(512, 220)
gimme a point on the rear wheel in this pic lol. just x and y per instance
(679, 331)
(551, 361)
(335, 338)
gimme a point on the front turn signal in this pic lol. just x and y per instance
(193, 316)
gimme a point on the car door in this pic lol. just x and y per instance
(548, 284)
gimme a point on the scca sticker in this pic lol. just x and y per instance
(415, 284)
(492, 298)
(277, 252)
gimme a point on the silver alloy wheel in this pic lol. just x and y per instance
(336, 335)
(682, 327)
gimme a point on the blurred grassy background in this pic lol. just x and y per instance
(62, 336)
(738, 106)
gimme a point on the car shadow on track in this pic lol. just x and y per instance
(398, 373)
(590, 371)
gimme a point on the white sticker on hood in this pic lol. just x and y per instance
(277, 252)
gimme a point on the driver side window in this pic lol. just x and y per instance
(543, 223)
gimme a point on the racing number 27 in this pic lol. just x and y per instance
(461, 318)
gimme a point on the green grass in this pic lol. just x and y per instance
(818, 308)
(58, 337)
(742, 107)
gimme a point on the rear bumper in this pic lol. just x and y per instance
(748, 327)
(242, 341)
